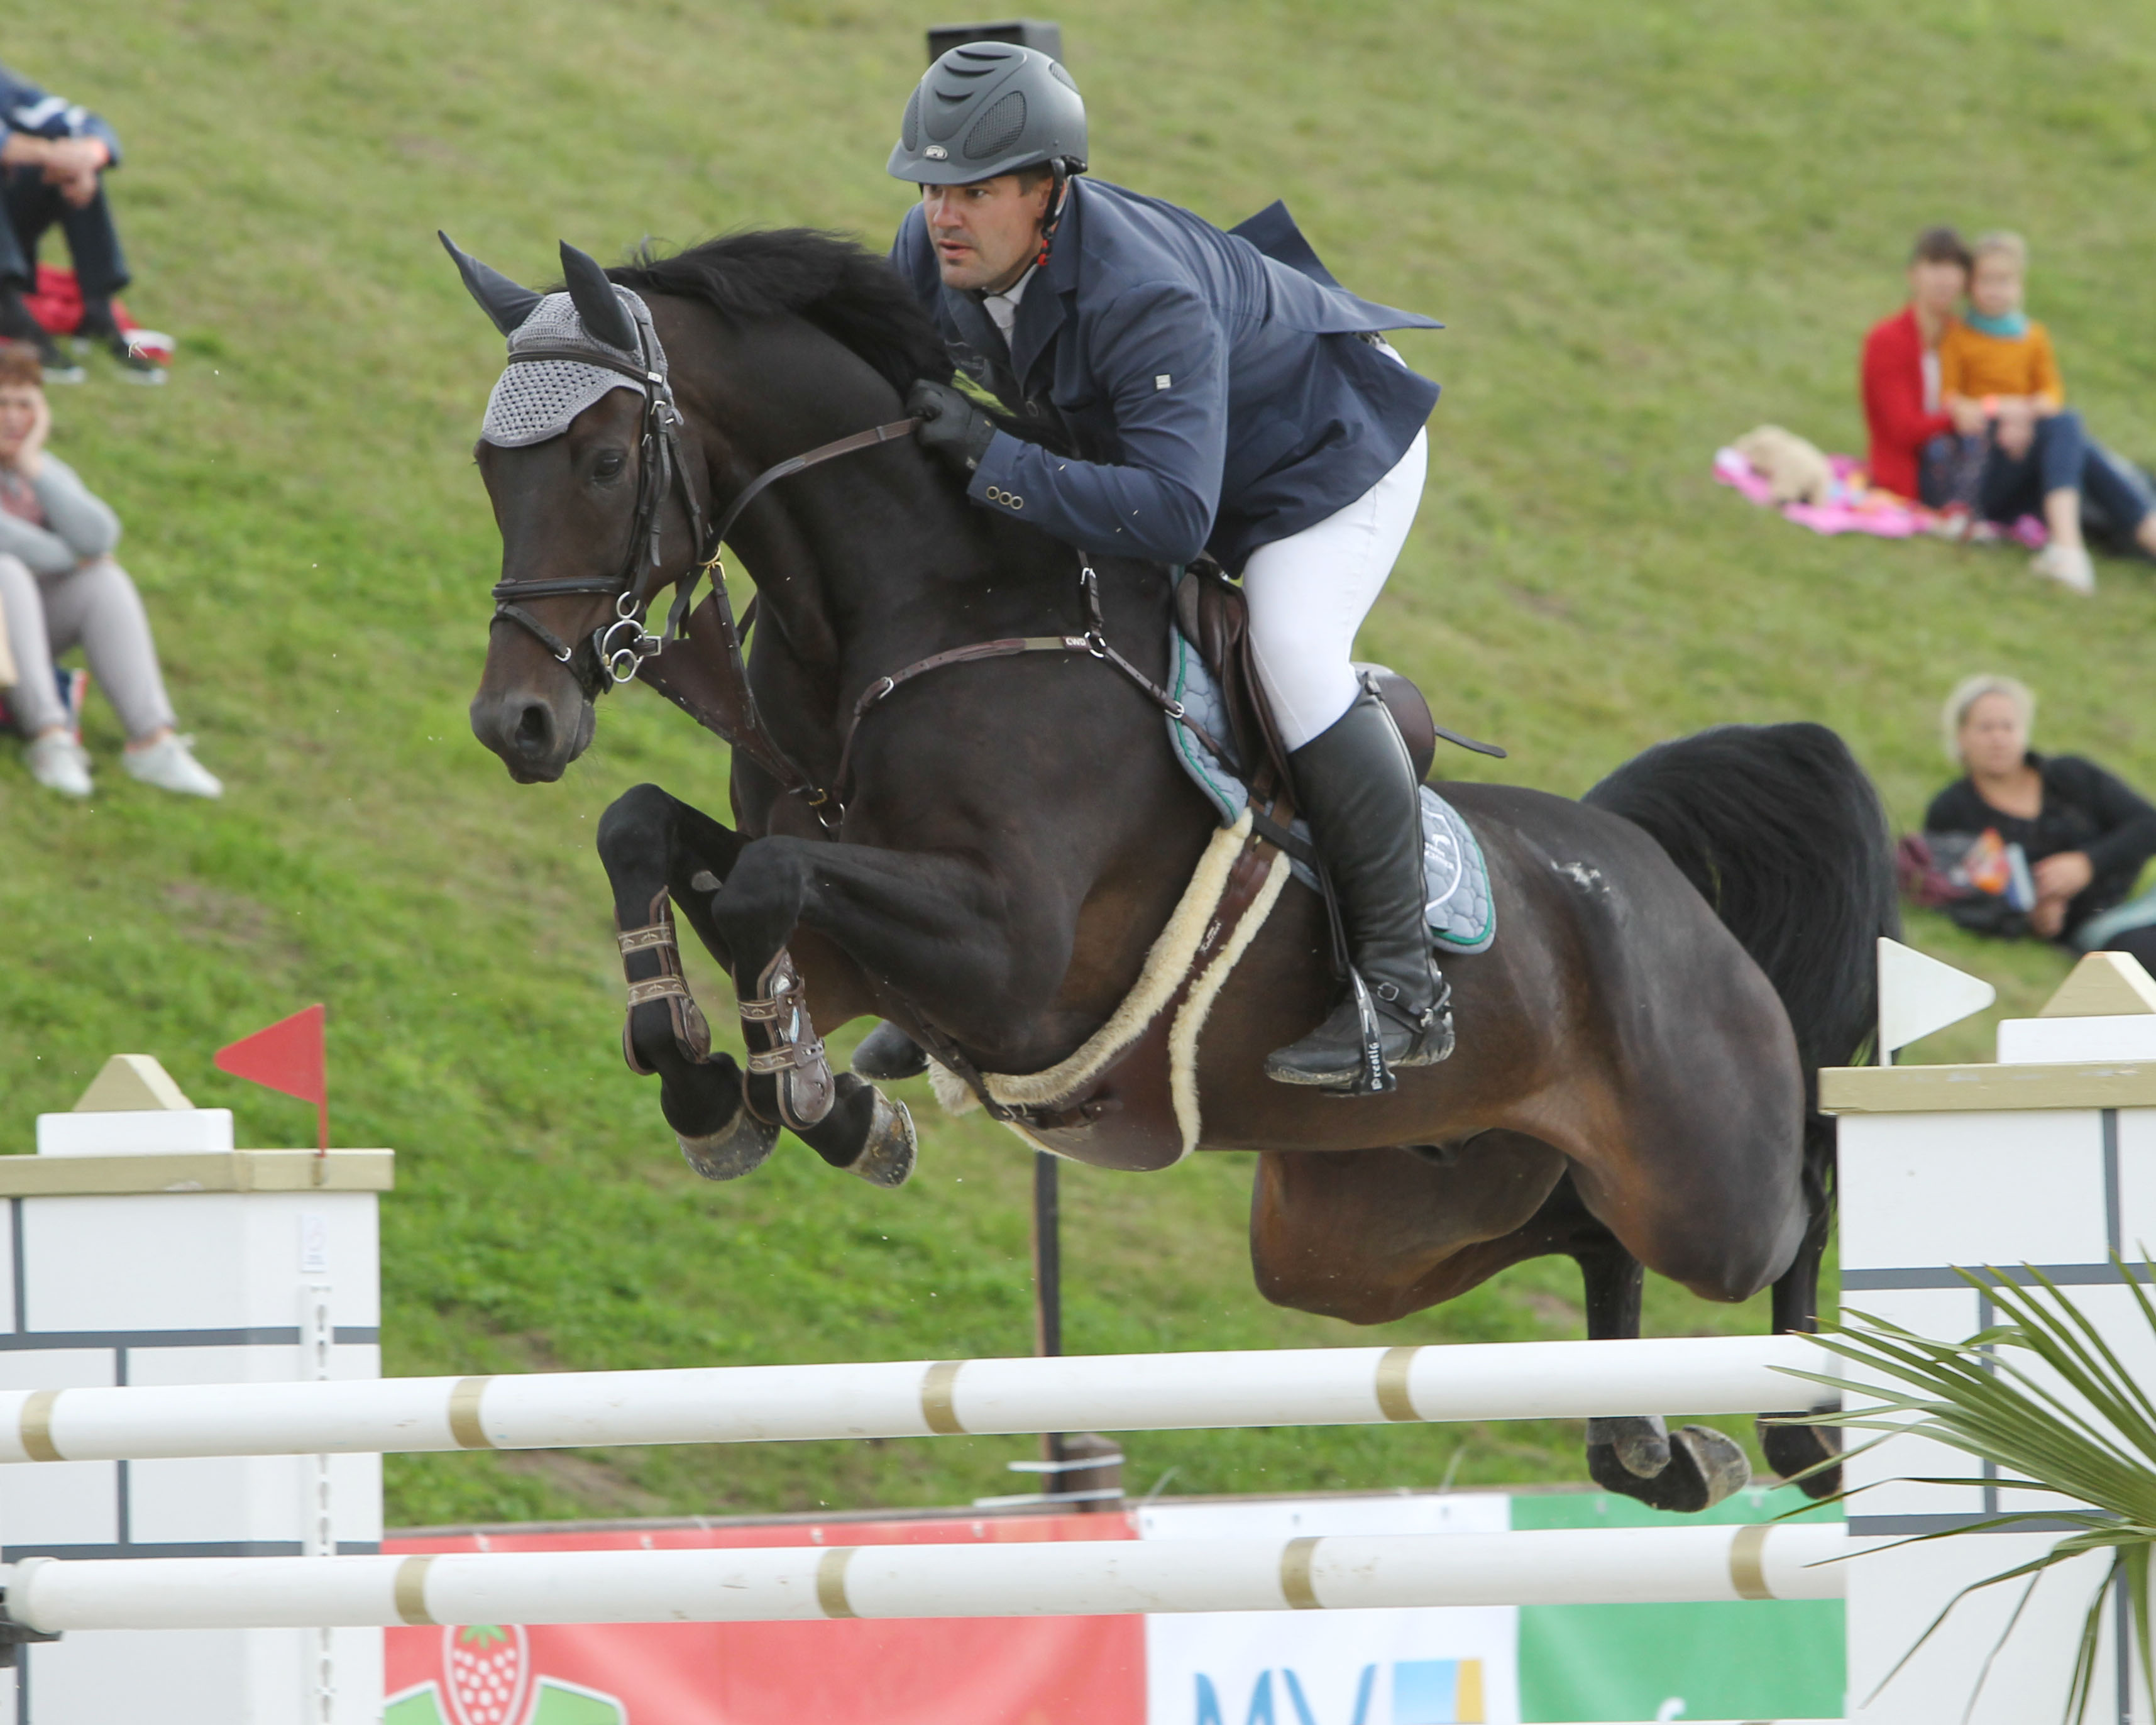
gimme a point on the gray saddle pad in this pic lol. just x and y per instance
(1458, 905)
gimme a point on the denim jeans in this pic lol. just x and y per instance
(93, 242)
(2061, 456)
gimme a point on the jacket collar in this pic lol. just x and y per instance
(1041, 312)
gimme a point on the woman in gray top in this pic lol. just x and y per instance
(60, 588)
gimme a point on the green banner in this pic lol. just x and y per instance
(1745, 1660)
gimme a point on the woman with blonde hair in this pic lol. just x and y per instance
(2087, 833)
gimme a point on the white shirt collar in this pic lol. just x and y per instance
(1003, 308)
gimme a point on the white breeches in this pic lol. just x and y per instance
(1309, 593)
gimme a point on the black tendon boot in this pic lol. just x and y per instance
(1357, 788)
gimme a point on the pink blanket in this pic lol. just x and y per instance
(1852, 506)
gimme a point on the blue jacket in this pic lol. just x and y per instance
(1216, 388)
(25, 108)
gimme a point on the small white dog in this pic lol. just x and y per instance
(1795, 471)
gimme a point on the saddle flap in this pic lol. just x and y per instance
(1214, 618)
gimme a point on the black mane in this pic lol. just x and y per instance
(828, 280)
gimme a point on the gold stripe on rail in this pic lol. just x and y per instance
(1394, 1401)
(831, 1581)
(409, 1592)
(1748, 1564)
(35, 1432)
(939, 1392)
(465, 1424)
(1295, 1584)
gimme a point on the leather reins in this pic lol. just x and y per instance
(661, 470)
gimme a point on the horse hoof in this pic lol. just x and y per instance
(1639, 1442)
(741, 1146)
(888, 1152)
(1704, 1466)
(1793, 1451)
(889, 1053)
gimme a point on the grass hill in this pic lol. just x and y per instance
(1646, 228)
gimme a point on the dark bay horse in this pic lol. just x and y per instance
(1679, 951)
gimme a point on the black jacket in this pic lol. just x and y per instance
(2085, 809)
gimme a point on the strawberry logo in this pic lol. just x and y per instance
(488, 1669)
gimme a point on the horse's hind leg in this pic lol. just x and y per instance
(643, 839)
(1791, 1449)
(1634, 1455)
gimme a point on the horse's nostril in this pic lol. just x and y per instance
(535, 730)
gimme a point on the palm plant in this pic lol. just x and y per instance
(2085, 1434)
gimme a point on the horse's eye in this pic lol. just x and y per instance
(609, 465)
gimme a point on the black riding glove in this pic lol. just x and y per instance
(951, 426)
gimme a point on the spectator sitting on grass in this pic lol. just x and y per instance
(2087, 833)
(54, 156)
(59, 587)
(2000, 381)
(1917, 452)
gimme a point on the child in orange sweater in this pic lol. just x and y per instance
(1995, 352)
(1998, 381)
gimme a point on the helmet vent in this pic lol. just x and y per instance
(910, 132)
(996, 131)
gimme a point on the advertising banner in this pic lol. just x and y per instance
(1044, 1670)
(1480, 1666)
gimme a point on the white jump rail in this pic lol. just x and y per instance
(733, 1405)
(1083, 1578)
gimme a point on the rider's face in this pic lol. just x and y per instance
(986, 233)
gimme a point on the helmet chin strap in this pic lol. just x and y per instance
(1055, 210)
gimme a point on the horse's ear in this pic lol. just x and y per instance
(593, 296)
(501, 299)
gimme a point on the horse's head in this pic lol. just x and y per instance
(582, 455)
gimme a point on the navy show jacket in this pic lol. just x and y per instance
(1217, 390)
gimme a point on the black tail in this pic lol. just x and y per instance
(1781, 833)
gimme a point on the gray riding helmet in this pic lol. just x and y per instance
(989, 108)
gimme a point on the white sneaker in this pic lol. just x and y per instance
(168, 765)
(59, 763)
(2068, 565)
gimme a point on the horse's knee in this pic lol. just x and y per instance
(756, 909)
(635, 827)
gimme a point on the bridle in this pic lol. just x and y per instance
(620, 648)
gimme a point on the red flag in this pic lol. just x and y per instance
(288, 1056)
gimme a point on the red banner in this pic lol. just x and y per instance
(1025, 1671)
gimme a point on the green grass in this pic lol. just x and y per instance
(1647, 228)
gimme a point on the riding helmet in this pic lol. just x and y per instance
(989, 108)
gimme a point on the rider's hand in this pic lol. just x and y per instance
(951, 426)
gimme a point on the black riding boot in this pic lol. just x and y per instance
(1357, 788)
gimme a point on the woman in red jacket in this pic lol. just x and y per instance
(1901, 379)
